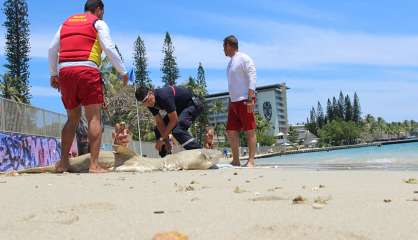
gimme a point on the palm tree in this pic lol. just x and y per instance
(217, 107)
(8, 90)
(121, 102)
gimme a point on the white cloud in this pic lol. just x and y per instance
(188, 50)
(39, 91)
(280, 46)
(289, 46)
(391, 99)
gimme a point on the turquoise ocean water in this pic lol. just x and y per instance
(389, 157)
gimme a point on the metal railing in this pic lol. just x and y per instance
(22, 118)
(25, 119)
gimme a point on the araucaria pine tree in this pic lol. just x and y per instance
(356, 109)
(341, 106)
(320, 118)
(201, 79)
(330, 112)
(169, 66)
(202, 120)
(141, 66)
(348, 109)
(17, 47)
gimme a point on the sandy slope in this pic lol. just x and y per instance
(208, 205)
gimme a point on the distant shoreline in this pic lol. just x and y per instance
(335, 148)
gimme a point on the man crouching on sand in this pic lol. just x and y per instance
(181, 108)
(77, 47)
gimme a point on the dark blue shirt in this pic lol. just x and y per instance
(166, 100)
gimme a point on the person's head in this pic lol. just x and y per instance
(209, 131)
(117, 126)
(122, 125)
(95, 7)
(230, 46)
(145, 96)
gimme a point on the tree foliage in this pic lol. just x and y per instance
(17, 48)
(339, 132)
(198, 87)
(141, 66)
(263, 131)
(9, 90)
(121, 103)
(293, 135)
(169, 67)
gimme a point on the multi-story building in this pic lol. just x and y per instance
(271, 105)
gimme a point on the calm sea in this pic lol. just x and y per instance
(389, 157)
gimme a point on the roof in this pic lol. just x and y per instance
(262, 88)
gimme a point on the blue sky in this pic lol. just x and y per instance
(317, 47)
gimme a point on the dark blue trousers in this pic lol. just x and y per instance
(180, 132)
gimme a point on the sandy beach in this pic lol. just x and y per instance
(216, 204)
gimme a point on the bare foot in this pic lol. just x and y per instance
(249, 165)
(236, 164)
(62, 166)
(97, 169)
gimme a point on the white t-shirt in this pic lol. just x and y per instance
(106, 44)
(242, 76)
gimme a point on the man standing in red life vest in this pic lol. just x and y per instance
(74, 60)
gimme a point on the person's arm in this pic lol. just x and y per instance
(53, 59)
(250, 70)
(173, 119)
(160, 123)
(172, 123)
(109, 48)
(168, 103)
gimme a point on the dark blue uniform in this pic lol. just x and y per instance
(188, 108)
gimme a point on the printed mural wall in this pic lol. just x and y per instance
(19, 151)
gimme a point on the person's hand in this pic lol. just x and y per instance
(125, 79)
(250, 101)
(159, 145)
(250, 107)
(54, 81)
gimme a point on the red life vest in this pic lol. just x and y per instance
(79, 40)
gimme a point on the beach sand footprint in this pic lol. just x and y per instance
(68, 215)
(299, 231)
(268, 199)
(274, 189)
(59, 217)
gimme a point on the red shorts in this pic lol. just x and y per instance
(238, 117)
(80, 85)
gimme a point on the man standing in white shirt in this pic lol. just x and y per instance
(74, 60)
(241, 75)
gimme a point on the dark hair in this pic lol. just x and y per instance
(141, 93)
(92, 5)
(231, 40)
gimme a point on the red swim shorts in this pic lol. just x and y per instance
(238, 117)
(80, 85)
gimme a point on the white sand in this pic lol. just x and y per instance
(121, 206)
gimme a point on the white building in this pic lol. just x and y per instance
(271, 105)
